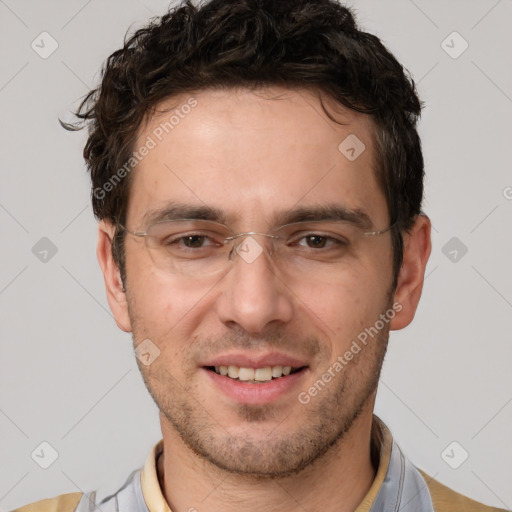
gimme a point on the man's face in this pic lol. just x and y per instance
(258, 159)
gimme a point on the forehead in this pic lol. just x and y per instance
(253, 152)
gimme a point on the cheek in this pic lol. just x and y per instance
(348, 304)
(161, 306)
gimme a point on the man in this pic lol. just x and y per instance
(258, 179)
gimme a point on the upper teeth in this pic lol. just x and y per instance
(258, 374)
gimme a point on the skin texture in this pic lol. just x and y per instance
(252, 154)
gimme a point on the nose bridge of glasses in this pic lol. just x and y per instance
(247, 246)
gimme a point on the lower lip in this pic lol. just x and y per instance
(250, 393)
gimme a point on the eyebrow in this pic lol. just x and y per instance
(329, 212)
(180, 211)
(313, 213)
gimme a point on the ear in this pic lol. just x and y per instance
(417, 247)
(112, 276)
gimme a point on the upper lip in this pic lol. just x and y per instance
(245, 360)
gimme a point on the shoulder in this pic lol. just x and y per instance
(62, 503)
(128, 498)
(445, 499)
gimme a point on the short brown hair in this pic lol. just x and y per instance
(313, 44)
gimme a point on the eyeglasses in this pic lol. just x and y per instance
(199, 248)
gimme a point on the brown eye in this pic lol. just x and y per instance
(316, 242)
(194, 241)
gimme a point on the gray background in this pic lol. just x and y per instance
(68, 375)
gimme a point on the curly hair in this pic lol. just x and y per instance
(312, 44)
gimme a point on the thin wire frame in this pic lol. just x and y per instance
(205, 260)
(218, 234)
(245, 233)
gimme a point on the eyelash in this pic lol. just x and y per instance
(332, 241)
(329, 239)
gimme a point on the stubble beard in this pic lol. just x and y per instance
(281, 453)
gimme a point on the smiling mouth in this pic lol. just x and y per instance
(254, 375)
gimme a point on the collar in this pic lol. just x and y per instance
(397, 483)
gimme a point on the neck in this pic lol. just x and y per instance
(337, 481)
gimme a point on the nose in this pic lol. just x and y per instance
(253, 295)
